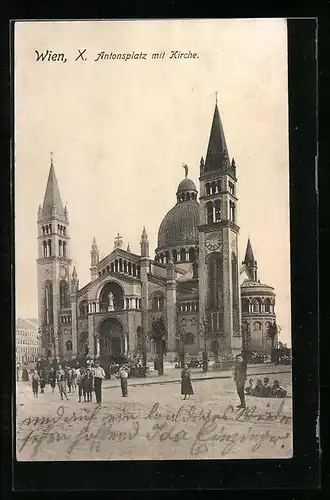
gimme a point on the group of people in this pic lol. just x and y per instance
(84, 380)
(263, 389)
(260, 389)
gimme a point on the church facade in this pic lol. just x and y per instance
(195, 283)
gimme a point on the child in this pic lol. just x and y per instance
(277, 391)
(87, 381)
(35, 383)
(74, 380)
(186, 387)
(61, 380)
(266, 389)
(257, 391)
(249, 388)
(52, 379)
(123, 375)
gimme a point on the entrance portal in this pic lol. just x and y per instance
(111, 339)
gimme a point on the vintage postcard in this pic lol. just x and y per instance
(152, 240)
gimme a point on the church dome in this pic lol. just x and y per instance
(186, 185)
(179, 226)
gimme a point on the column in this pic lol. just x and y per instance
(125, 344)
(97, 345)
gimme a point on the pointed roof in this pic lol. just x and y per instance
(52, 195)
(249, 257)
(144, 235)
(94, 245)
(217, 156)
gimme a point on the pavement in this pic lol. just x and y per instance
(154, 422)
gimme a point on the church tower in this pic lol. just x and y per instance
(219, 293)
(53, 267)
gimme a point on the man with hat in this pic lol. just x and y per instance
(99, 375)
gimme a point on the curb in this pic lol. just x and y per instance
(177, 381)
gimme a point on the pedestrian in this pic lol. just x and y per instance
(74, 380)
(42, 381)
(52, 378)
(87, 381)
(35, 383)
(99, 375)
(17, 373)
(68, 377)
(61, 380)
(79, 381)
(25, 374)
(186, 387)
(123, 376)
(240, 378)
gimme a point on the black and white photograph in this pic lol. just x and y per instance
(152, 240)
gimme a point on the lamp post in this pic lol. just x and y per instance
(205, 356)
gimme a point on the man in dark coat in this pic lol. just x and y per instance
(240, 378)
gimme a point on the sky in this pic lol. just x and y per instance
(120, 130)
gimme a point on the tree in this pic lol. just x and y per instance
(246, 337)
(272, 331)
(157, 334)
(181, 338)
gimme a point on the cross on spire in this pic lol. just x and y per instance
(51, 157)
(216, 97)
(118, 240)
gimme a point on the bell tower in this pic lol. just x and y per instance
(219, 293)
(53, 265)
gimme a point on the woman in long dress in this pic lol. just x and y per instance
(186, 387)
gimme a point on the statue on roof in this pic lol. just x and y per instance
(185, 169)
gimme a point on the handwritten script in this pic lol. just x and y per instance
(90, 429)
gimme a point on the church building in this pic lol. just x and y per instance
(194, 282)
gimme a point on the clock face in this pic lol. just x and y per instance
(63, 272)
(213, 242)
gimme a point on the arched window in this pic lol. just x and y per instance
(60, 248)
(134, 269)
(64, 249)
(215, 279)
(267, 325)
(213, 187)
(68, 345)
(217, 206)
(174, 255)
(140, 303)
(49, 243)
(125, 266)
(189, 338)
(218, 186)
(245, 305)
(83, 308)
(161, 258)
(257, 325)
(116, 266)
(64, 294)
(64, 230)
(167, 257)
(111, 267)
(182, 255)
(138, 270)
(45, 248)
(256, 305)
(129, 266)
(209, 212)
(127, 304)
(191, 254)
(207, 188)
(267, 305)
(120, 265)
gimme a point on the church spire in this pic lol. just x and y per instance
(217, 157)
(250, 262)
(52, 201)
(249, 257)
